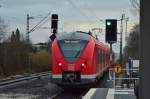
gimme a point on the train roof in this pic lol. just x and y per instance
(79, 35)
(74, 35)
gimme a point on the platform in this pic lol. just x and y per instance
(109, 93)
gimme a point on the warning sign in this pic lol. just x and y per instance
(117, 69)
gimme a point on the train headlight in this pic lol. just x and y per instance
(83, 64)
(59, 64)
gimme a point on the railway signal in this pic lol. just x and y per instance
(54, 26)
(111, 30)
(54, 21)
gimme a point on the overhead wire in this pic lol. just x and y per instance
(44, 21)
(81, 11)
(90, 20)
(40, 22)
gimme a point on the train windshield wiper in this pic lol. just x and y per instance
(77, 54)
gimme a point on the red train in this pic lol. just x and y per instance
(78, 58)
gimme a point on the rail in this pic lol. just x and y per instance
(20, 78)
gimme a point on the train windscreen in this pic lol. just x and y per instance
(72, 48)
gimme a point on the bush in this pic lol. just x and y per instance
(40, 61)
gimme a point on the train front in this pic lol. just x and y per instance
(71, 55)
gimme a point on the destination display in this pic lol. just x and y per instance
(72, 41)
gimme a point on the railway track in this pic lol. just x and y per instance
(52, 92)
(78, 93)
(21, 78)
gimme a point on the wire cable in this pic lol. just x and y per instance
(39, 23)
(83, 13)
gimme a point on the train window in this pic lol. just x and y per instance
(73, 35)
(72, 44)
(106, 55)
(72, 51)
(101, 56)
(97, 55)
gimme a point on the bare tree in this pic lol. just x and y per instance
(2, 34)
(132, 47)
(135, 6)
(2, 29)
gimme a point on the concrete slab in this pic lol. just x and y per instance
(99, 93)
(109, 93)
(124, 96)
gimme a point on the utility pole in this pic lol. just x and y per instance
(127, 19)
(28, 41)
(27, 38)
(144, 82)
(28, 28)
(27, 34)
(111, 51)
(28, 31)
(121, 32)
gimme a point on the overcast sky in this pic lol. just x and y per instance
(73, 14)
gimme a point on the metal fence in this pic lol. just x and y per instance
(124, 80)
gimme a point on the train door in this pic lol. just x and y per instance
(105, 66)
(104, 57)
(100, 59)
(102, 62)
(97, 58)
